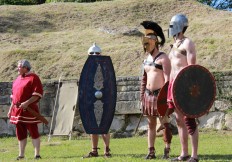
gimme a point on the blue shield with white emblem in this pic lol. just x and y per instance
(97, 94)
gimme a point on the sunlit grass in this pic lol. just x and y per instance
(213, 146)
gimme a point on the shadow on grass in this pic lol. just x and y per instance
(130, 155)
(63, 157)
(121, 156)
(139, 156)
(218, 158)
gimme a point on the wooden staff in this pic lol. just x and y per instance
(53, 114)
(138, 123)
(37, 115)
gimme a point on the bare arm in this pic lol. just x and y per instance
(166, 68)
(25, 104)
(191, 52)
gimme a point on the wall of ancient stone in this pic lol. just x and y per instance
(127, 108)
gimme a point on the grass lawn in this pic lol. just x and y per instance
(213, 146)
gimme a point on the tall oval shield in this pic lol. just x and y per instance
(194, 91)
(97, 94)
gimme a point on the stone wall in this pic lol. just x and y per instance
(128, 107)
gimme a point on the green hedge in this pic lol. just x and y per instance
(34, 2)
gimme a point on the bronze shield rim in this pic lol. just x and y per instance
(175, 99)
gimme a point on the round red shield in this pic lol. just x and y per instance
(162, 105)
(194, 91)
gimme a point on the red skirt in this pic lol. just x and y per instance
(149, 104)
(18, 115)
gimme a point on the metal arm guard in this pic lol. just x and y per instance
(143, 85)
(167, 134)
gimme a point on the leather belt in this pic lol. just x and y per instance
(155, 92)
(17, 104)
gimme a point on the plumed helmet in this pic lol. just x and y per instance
(177, 24)
(94, 50)
(153, 28)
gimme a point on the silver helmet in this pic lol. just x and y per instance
(94, 50)
(177, 24)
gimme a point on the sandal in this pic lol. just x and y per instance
(181, 158)
(20, 158)
(107, 152)
(92, 153)
(151, 154)
(193, 160)
(166, 153)
(107, 155)
(37, 157)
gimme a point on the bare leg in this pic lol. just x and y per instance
(151, 137)
(106, 139)
(183, 133)
(22, 146)
(94, 139)
(36, 144)
(94, 142)
(167, 145)
(151, 131)
(194, 141)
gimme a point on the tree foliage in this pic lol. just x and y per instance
(19, 2)
(218, 4)
(34, 2)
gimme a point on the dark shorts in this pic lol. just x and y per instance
(22, 128)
